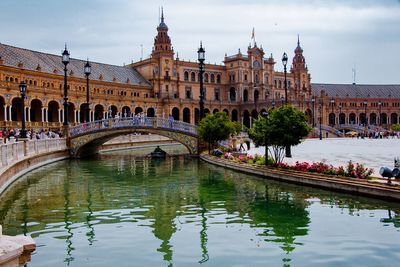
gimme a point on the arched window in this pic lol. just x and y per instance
(193, 77)
(212, 78)
(218, 78)
(206, 77)
(232, 94)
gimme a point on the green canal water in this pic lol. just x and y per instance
(122, 210)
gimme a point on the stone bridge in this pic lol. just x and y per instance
(86, 138)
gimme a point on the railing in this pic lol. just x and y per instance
(15, 151)
(330, 129)
(133, 122)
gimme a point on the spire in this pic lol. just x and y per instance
(298, 39)
(162, 15)
(162, 25)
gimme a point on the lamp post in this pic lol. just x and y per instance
(65, 61)
(284, 62)
(87, 70)
(333, 104)
(320, 120)
(379, 106)
(365, 106)
(340, 112)
(265, 115)
(313, 111)
(22, 90)
(273, 103)
(201, 57)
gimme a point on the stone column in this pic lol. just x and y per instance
(9, 113)
(104, 115)
(43, 115)
(29, 114)
(62, 115)
(5, 113)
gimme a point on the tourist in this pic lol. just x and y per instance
(170, 120)
(241, 144)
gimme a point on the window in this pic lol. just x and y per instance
(186, 76)
(206, 77)
(192, 77)
(218, 78)
(212, 78)
(245, 77)
(216, 93)
(188, 92)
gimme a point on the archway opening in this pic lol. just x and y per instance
(186, 115)
(71, 112)
(151, 112)
(246, 118)
(98, 112)
(175, 113)
(53, 111)
(16, 109)
(36, 110)
(126, 111)
(138, 110)
(235, 115)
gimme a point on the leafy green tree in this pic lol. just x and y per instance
(396, 127)
(215, 127)
(284, 126)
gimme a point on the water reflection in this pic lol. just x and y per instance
(195, 213)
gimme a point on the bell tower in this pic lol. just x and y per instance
(162, 42)
(300, 71)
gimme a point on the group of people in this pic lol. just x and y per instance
(380, 134)
(242, 142)
(11, 135)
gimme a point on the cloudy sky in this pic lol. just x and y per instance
(336, 35)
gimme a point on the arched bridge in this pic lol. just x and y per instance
(86, 138)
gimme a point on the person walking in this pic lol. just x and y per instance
(170, 120)
(241, 144)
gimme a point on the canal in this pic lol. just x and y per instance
(122, 210)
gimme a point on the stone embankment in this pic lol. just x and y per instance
(372, 188)
(18, 158)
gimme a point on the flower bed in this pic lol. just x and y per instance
(350, 170)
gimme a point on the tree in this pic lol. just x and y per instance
(396, 127)
(215, 127)
(284, 126)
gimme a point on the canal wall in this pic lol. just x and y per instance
(21, 157)
(377, 189)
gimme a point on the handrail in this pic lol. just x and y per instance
(133, 122)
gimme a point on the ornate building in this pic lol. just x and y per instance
(243, 86)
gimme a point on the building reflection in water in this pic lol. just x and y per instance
(163, 190)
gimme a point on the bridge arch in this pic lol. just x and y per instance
(85, 139)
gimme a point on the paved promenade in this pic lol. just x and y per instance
(374, 153)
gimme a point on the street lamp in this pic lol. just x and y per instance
(284, 61)
(87, 70)
(332, 104)
(265, 115)
(340, 112)
(320, 120)
(65, 61)
(22, 90)
(379, 106)
(365, 105)
(201, 57)
(313, 111)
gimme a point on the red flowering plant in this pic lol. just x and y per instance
(358, 171)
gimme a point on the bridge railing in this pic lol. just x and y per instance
(132, 122)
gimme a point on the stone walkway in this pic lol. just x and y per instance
(374, 153)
